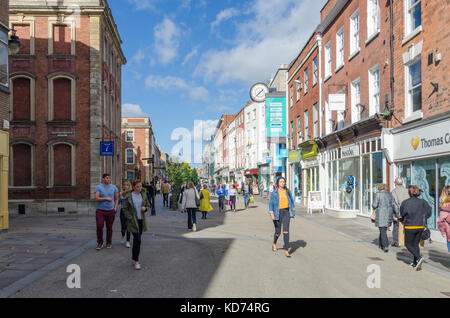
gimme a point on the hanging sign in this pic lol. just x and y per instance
(336, 102)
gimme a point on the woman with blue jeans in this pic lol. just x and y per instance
(281, 209)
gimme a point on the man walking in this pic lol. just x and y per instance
(107, 196)
(400, 194)
(165, 191)
(246, 192)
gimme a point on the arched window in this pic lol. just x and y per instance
(61, 96)
(62, 163)
(22, 165)
(22, 98)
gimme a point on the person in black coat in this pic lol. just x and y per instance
(414, 213)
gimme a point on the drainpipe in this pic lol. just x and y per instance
(319, 79)
(392, 51)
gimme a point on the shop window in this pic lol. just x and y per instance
(424, 176)
(21, 98)
(21, 165)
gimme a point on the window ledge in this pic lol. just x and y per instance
(412, 35)
(23, 122)
(413, 117)
(13, 188)
(339, 68)
(59, 122)
(354, 54)
(372, 37)
(327, 78)
(4, 89)
(61, 56)
(23, 56)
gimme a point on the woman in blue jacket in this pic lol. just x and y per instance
(281, 209)
(221, 194)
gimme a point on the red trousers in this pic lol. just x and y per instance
(103, 216)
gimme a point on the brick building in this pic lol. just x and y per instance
(304, 117)
(419, 145)
(65, 99)
(4, 108)
(137, 144)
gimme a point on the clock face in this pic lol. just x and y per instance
(258, 92)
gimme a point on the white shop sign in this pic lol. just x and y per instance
(350, 151)
(423, 141)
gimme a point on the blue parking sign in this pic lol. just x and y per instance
(107, 148)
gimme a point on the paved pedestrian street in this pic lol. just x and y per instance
(229, 256)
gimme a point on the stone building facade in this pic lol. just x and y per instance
(65, 100)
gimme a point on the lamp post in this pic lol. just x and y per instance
(14, 44)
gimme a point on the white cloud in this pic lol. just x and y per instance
(273, 34)
(191, 54)
(138, 56)
(203, 129)
(171, 83)
(199, 93)
(133, 110)
(166, 44)
(143, 4)
(225, 15)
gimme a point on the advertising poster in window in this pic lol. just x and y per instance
(276, 117)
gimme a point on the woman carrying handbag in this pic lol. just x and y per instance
(414, 214)
(386, 208)
(191, 201)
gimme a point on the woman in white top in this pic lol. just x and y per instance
(189, 204)
(233, 194)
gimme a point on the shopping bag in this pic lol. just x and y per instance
(229, 202)
(252, 200)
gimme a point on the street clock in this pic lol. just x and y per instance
(258, 92)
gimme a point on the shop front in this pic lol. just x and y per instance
(295, 175)
(310, 168)
(354, 173)
(353, 165)
(264, 176)
(421, 155)
(251, 175)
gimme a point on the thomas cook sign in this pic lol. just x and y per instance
(423, 142)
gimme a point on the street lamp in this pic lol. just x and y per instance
(14, 44)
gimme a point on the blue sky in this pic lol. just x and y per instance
(193, 60)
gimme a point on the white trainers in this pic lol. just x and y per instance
(127, 244)
(419, 264)
(194, 228)
(137, 266)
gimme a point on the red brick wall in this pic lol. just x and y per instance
(23, 32)
(307, 100)
(435, 37)
(41, 132)
(375, 52)
(61, 39)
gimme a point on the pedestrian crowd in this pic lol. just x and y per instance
(402, 209)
